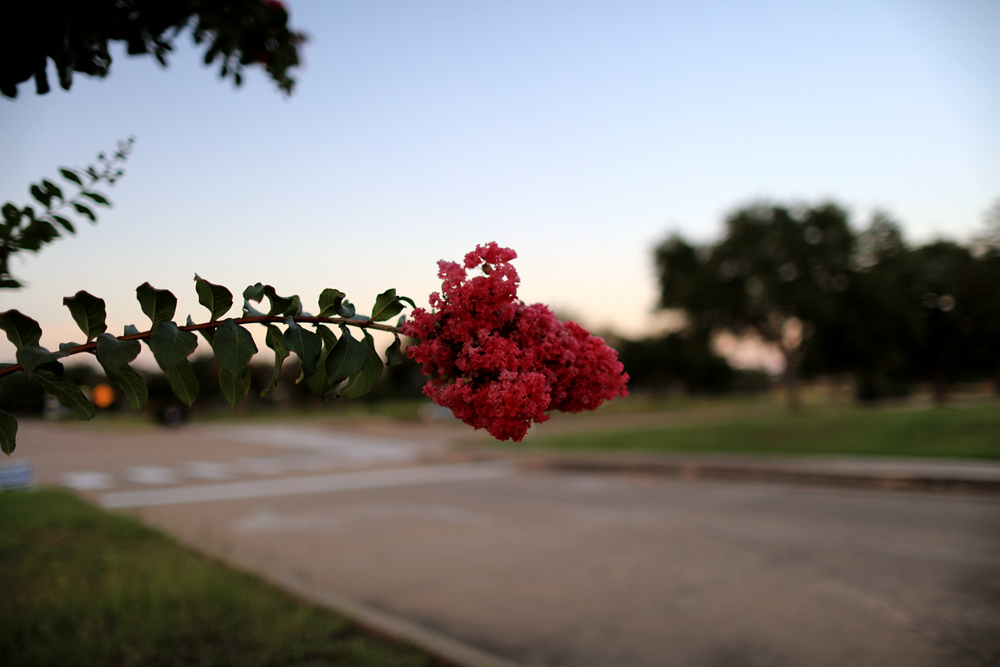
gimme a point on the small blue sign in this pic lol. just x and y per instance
(16, 476)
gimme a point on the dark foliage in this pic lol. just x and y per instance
(676, 362)
(74, 35)
(864, 304)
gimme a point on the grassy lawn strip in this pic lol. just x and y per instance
(964, 433)
(83, 587)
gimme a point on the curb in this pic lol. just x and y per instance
(765, 472)
(446, 649)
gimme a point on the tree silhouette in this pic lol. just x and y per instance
(875, 330)
(774, 275)
(74, 35)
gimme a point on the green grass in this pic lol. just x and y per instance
(83, 587)
(966, 433)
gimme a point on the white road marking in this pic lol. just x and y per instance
(309, 462)
(343, 448)
(88, 480)
(260, 465)
(208, 470)
(150, 475)
(337, 520)
(349, 481)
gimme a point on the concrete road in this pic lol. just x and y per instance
(545, 568)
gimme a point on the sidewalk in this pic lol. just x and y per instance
(916, 474)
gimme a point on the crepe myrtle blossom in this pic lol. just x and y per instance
(499, 364)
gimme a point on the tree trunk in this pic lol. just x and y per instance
(793, 387)
(941, 393)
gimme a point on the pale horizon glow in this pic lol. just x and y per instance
(579, 134)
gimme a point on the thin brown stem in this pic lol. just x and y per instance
(256, 319)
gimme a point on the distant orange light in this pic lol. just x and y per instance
(103, 395)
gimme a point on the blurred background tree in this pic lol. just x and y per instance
(960, 298)
(874, 331)
(833, 301)
(680, 361)
(773, 276)
(74, 35)
(22, 228)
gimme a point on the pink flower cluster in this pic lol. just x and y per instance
(499, 364)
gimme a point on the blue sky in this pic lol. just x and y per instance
(578, 133)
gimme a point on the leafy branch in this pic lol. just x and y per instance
(75, 36)
(344, 364)
(24, 229)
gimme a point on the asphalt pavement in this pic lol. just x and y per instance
(586, 560)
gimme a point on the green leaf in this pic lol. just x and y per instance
(52, 189)
(250, 311)
(304, 343)
(233, 387)
(386, 305)
(282, 305)
(134, 388)
(332, 301)
(362, 382)
(328, 337)
(392, 353)
(89, 313)
(20, 329)
(29, 240)
(83, 210)
(183, 382)
(347, 358)
(275, 342)
(318, 382)
(170, 345)
(37, 234)
(41, 196)
(67, 393)
(97, 198)
(327, 299)
(254, 293)
(159, 305)
(234, 347)
(329, 340)
(11, 214)
(114, 354)
(10, 283)
(131, 330)
(207, 334)
(216, 298)
(8, 433)
(33, 357)
(67, 225)
(70, 175)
